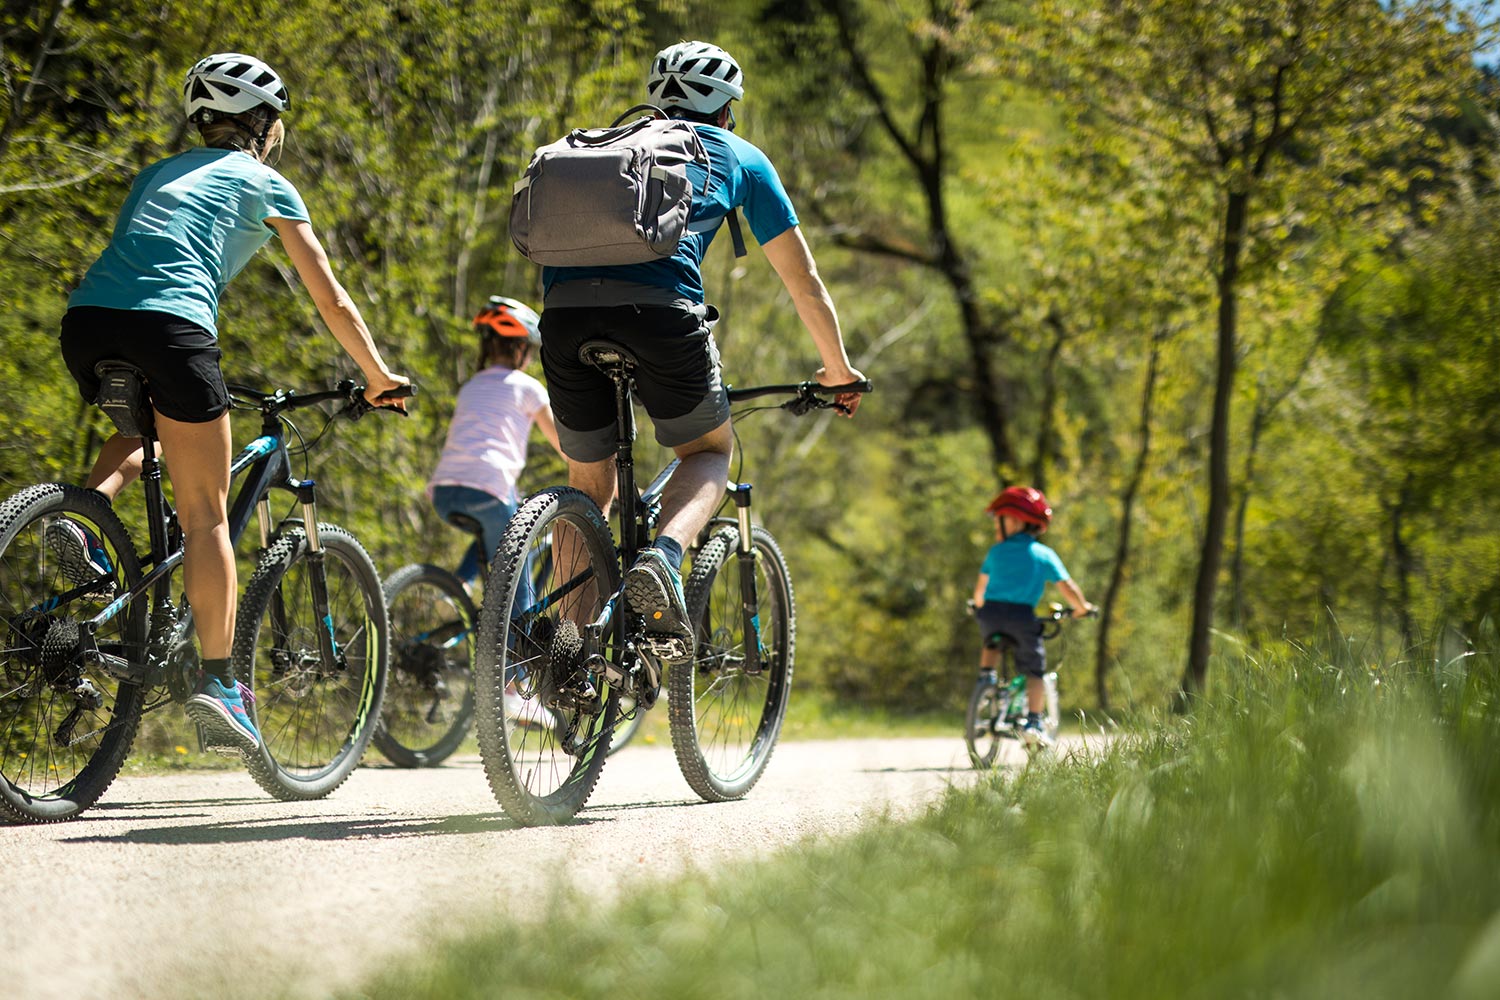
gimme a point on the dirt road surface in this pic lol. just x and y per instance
(197, 884)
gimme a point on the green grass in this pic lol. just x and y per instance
(1315, 831)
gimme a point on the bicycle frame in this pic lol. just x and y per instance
(266, 465)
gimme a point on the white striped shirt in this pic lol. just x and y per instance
(486, 446)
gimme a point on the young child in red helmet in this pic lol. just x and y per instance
(1011, 581)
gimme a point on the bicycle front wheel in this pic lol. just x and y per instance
(726, 710)
(979, 724)
(543, 744)
(429, 692)
(66, 724)
(315, 717)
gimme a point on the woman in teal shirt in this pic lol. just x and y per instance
(189, 225)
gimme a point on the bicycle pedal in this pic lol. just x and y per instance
(664, 647)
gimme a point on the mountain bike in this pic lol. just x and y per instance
(572, 646)
(997, 711)
(86, 653)
(429, 695)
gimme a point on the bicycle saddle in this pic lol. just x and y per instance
(606, 354)
(464, 522)
(124, 397)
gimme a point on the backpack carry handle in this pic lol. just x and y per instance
(655, 111)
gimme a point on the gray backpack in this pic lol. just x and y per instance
(607, 196)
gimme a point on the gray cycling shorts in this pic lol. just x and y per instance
(678, 381)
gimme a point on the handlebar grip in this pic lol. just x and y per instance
(400, 392)
(862, 386)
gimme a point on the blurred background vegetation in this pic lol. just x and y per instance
(1222, 277)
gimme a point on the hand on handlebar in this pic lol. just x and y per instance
(383, 391)
(1087, 611)
(845, 402)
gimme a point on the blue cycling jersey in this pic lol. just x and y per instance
(739, 176)
(1019, 569)
(189, 225)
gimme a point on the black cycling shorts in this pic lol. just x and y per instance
(677, 382)
(1019, 623)
(180, 358)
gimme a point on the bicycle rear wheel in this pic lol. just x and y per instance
(725, 716)
(315, 718)
(543, 756)
(429, 692)
(985, 706)
(66, 725)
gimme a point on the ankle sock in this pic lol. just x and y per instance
(219, 669)
(671, 548)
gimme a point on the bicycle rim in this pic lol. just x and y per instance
(979, 725)
(315, 718)
(726, 717)
(429, 693)
(66, 726)
(555, 567)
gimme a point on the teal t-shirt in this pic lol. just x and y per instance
(190, 224)
(1019, 569)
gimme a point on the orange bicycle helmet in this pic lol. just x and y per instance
(1023, 502)
(505, 317)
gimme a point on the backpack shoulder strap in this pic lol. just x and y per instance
(735, 236)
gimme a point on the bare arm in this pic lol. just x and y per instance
(337, 308)
(984, 581)
(793, 261)
(548, 427)
(1074, 594)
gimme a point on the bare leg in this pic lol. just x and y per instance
(989, 657)
(199, 465)
(697, 487)
(118, 465)
(1036, 695)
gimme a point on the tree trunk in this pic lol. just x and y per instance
(1401, 560)
(1241, 509)
(1211, 556)
(1046, 425)
(1127, 515)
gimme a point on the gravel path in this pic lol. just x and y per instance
(199, 885)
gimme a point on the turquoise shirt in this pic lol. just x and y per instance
(739, 176)
(190, 224)
(1019, 569)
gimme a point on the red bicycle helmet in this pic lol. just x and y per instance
(1023, 502)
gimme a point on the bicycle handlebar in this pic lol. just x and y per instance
(808, 396)
(281, 400)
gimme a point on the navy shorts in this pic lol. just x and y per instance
(180, 359)
(1019, 623)
(678, 380)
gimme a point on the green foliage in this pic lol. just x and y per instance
(1080, 241)
(1321, 828)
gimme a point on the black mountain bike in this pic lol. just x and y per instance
(86, 654)
(571, 645)
(429, 693)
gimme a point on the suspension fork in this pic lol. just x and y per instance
(755, 651)
(328, 650)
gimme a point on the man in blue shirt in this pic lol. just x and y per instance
(658, 310)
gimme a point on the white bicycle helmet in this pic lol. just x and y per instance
(230, 83)
(694, 75)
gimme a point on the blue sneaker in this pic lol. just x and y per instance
(221, 711)
(80, 553)
(653, 590)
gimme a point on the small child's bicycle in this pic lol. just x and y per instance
(997, 711)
